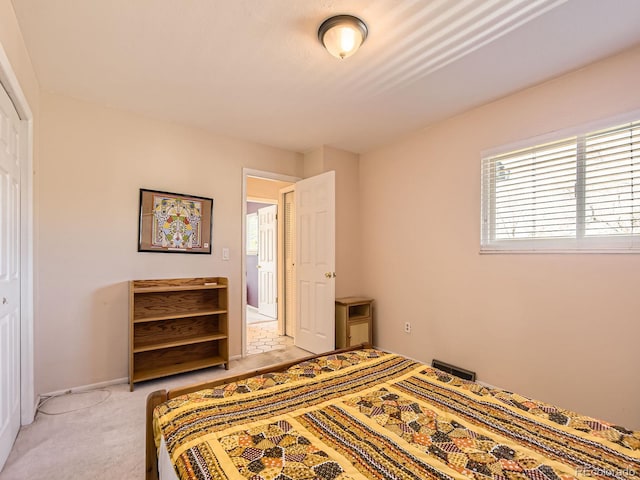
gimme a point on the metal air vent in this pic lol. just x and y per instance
(453, 370)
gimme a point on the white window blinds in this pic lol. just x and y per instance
(580, 193)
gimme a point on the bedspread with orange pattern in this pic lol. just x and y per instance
(371, 415)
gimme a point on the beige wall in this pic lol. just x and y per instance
(13, 45)
(348, 238)
(95, 159)
(314, 162)
(561, 328)
(264, 189)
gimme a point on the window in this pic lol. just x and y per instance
(576, 194)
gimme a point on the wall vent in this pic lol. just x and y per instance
(453, 370)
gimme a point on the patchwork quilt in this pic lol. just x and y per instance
(367, 414)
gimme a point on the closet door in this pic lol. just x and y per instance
(9, 275)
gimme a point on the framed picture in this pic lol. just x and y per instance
(174, 222)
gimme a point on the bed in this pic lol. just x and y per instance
(362, 413)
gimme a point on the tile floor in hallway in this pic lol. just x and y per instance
(262, 334)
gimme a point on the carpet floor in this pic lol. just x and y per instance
(99, 434)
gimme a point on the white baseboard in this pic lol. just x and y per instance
(84, 388)
(31, 416)
(93, 386)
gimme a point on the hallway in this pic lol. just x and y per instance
(262, 334)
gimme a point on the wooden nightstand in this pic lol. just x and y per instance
(354, 321)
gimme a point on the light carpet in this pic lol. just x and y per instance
(103, 437)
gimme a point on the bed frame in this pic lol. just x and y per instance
(159, 396)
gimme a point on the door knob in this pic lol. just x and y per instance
(330, 274)
(258, 266)
(4, 300)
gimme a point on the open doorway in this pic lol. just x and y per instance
(266, 235)
(312, 236)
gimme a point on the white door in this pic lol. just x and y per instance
(315, 269)
(267, 264)
(9, 276)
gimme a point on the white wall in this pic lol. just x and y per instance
(561, 328)
(94, 161)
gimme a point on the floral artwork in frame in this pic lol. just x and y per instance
(174, 222)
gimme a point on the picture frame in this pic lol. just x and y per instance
(174, 222)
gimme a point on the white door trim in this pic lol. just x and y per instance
(249, 172)
(28, 401)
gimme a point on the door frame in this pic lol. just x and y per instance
(28, 400)
(249, 172)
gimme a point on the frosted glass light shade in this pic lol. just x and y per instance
(342, 35)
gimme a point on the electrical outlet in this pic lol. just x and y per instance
(407, 327)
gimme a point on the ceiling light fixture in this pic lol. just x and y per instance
(342, 35)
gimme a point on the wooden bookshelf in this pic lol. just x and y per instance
(177, 325)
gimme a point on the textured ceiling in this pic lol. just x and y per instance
(254, 69)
